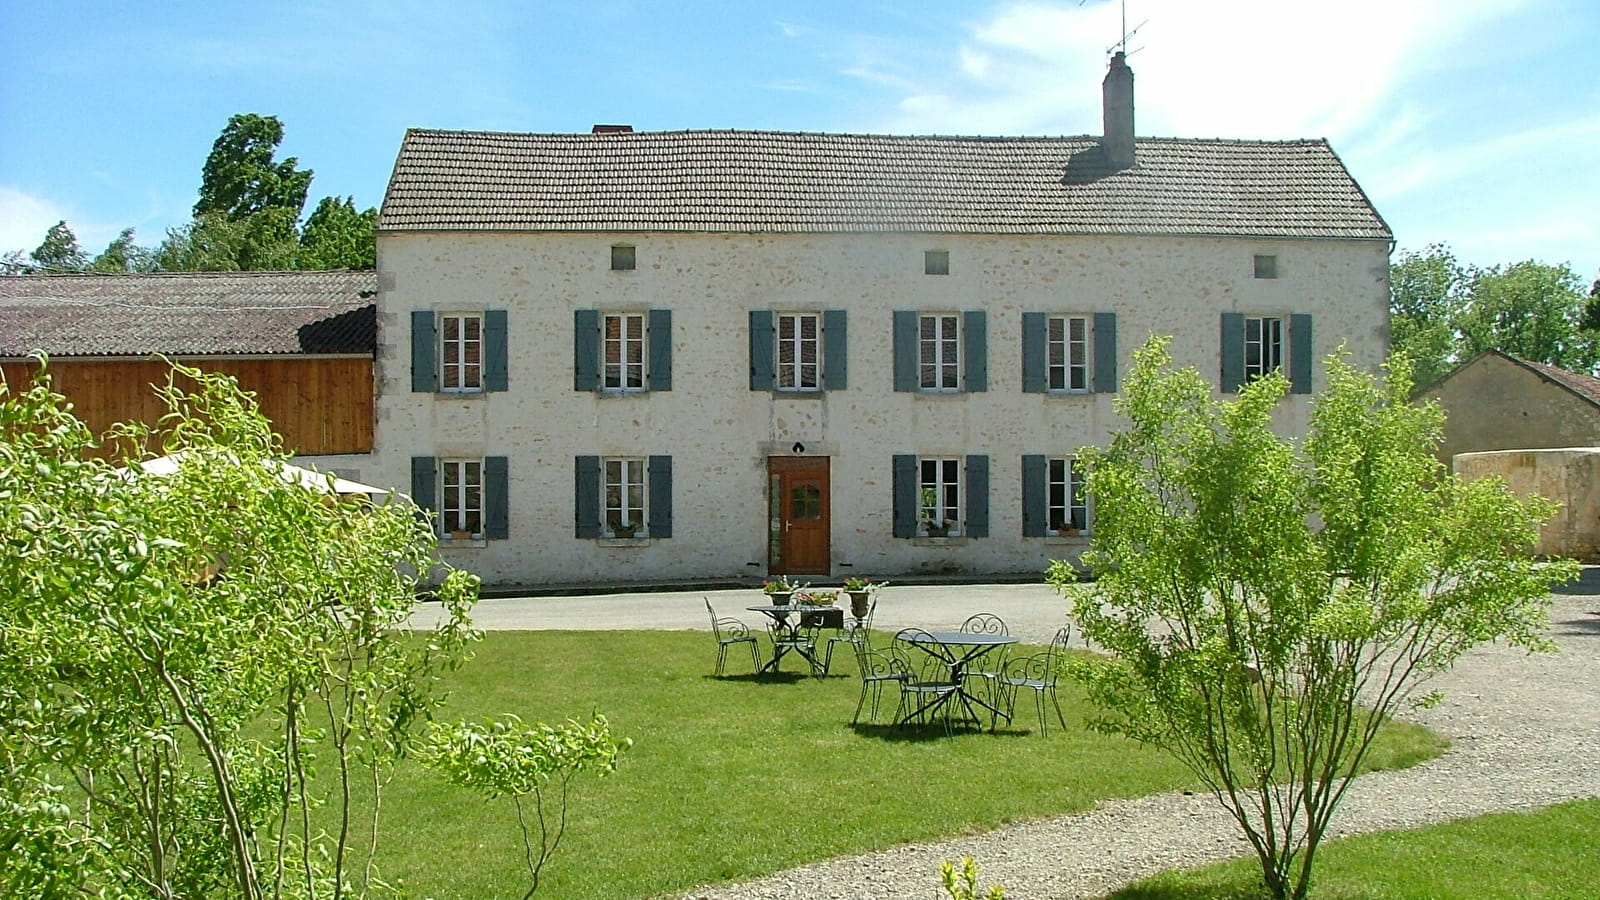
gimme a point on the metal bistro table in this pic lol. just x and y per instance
(959, 649)
(786, 624)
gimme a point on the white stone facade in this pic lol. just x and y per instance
(720, 433)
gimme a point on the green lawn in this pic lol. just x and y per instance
(738, 777)
(1553, 853)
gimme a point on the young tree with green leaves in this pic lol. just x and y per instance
(177, 650)
(1268, 603)
(337, 237)
(59, 253)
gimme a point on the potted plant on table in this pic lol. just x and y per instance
(860, 593)
(781, 590)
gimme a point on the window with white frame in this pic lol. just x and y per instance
(939, 352)
(1066, 505)
(1067, 343)
(622, 346)
(461, 498)
(461, 352)
(625, 497)
(799, 351)
(1263, 346)
(938, 496)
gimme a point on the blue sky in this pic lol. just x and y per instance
(1470, 122)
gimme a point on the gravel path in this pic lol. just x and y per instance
(1526, 733)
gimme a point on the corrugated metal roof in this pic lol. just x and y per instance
(189, 313)
(765, 181)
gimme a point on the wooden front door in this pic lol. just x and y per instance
(797, 515)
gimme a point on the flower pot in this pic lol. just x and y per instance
(779, 598)
(460, 535)
(860, 601)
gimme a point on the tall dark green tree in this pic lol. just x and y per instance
(335, 236)
(241, 177)
(59, 252)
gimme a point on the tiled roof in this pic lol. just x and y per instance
(765, 181)
(188, 313)
(1585, 386)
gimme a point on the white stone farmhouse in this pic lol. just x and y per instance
(619, 356)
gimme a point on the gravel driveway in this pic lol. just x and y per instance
(1525, 731)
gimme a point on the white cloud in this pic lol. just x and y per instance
(25, 217)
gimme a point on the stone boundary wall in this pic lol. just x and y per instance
(1569, 476)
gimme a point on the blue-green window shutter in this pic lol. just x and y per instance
(835, 350)
(975, 347)
(496, 499)
(494, 350)
(586, 350)
(586, 497)
(1105, 353)
(904, 479)
(660, 514)
(1035, 500)
(1034, 352)
(423, 490)
(905, 349)
(1232, 352)
(1300, 353)
(763, 376)
(424, 351)
(978, 495)
(659, 339)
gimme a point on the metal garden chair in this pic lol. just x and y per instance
(1037, 673)
(877, 669)
(928, 686)
(987, 623)
(855, 633)
(730, 631)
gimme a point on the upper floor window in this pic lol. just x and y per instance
(1255, 346)
(1067, 339)
(623, 352)
(1263, 346)
(1069, 354)
(799, 344)
(460, 352)
(622, 257)
(939, 352)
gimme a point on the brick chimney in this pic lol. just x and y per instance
(1117, 94)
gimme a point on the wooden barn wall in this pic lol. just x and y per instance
(319, 406)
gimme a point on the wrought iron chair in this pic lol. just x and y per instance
(730, 631)
(1038, 673)
(877, 669)
(856, 633)
(928, 683)
(995, 661)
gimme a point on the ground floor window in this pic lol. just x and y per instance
(1066, 504)
(939, 497)
(461, 498)
(625, 497)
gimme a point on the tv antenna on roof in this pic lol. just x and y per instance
(1121, 46)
